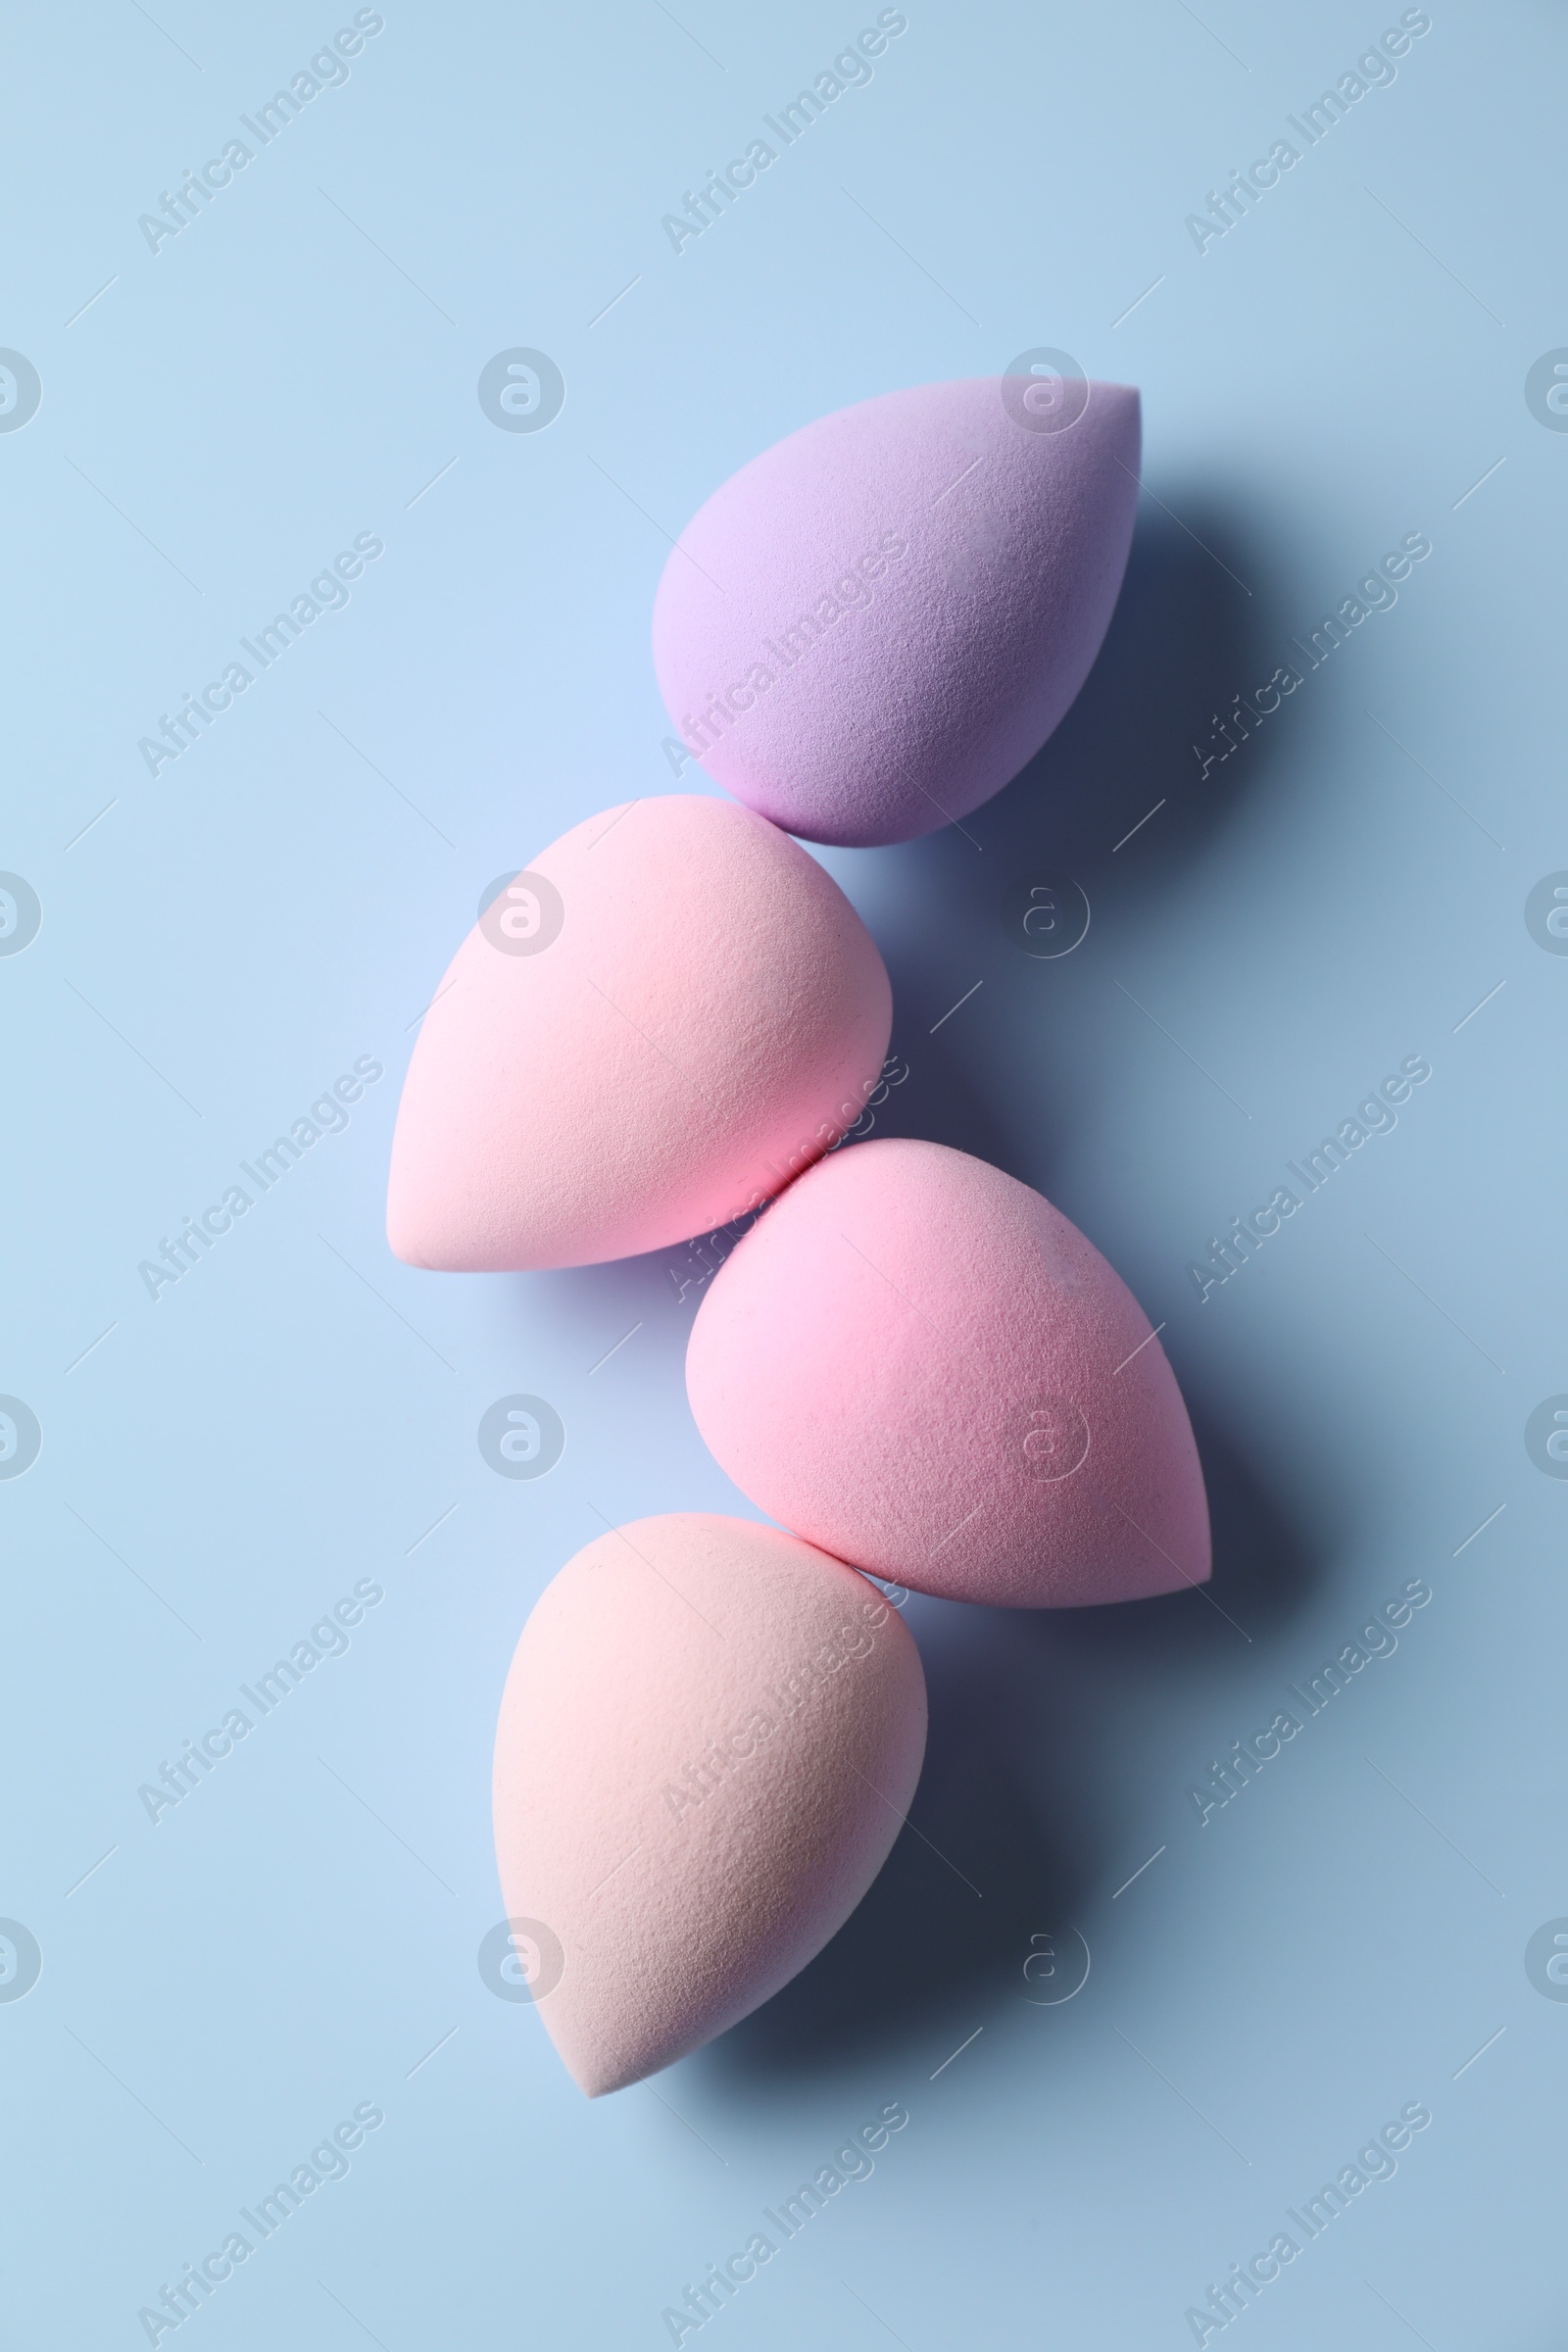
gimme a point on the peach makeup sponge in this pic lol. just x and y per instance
(646, 1034)
(708, 1740)
(872, 626)
(917, 1362)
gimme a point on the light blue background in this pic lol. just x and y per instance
(224, 941)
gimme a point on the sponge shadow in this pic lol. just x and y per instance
(1189, 634)
(1270, 1558)
(982, 1863)
(1039, 1718)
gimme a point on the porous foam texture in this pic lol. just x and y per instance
(917, 1362)
(656, 1026)
(709, 1735)
(870, 629)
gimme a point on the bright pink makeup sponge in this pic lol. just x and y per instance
(672, 1012)
(917, 1362)
(872, 626)
(708, 1740)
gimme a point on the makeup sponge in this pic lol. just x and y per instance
(870, 629)
(917, 1362)
(647, 1033)
(708, 1740)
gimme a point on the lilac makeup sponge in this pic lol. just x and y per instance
(647, 1033)
(872, 626)
(917, 1362)
(709, 1735)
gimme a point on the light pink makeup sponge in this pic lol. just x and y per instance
(672, 1012)
(917, 1362)
(872, 626)
(708, 1740)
